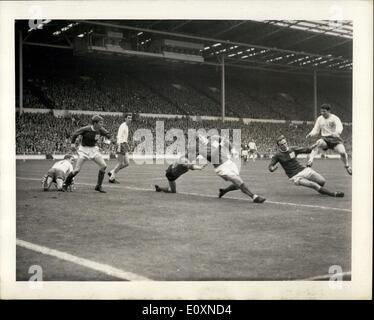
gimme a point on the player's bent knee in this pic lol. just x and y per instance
(103, 169)
(321, 143)
(322, 182)
(297, 182)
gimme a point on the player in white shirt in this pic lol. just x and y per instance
(122, 148)
(330, 127)
(58, 173)
(252, 150)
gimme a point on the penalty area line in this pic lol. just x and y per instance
(100, 267)
(207, 196)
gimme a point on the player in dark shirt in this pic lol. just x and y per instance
(174, 171)
(300, 175)
(219, 153)
(88, 150)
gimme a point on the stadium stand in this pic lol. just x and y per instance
(181, 90)
(46, 134)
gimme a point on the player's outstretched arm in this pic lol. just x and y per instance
(273, 164)
(311, 134)
(316, 130)
(304, 150)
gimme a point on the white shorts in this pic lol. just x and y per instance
(245, 153)
(229, 171)
(88, 153)
(307, 173)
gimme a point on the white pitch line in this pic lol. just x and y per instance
(103, 268)
(207, 196)
(328, 276)
(308, 206)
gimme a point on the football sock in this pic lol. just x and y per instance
(245, 190)
(327, 192)
(100, 177)
(69, 178)
(231, 187)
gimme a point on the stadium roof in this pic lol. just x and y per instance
(292, 46)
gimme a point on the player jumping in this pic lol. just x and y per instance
(122, 149)
(57, 174)
(300, 175)
(174, 171)
(219, 153)
(330, 127)
(88, 150)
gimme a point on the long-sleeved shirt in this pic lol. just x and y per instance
(89, 135)
(288, 160)
(123, 133)
(327, 127)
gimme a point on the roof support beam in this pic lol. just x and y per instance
(229, 29)
(248, 45)
(180, 25)
(39, 44)
(279, 29)
(336, 45)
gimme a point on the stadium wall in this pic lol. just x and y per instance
(66, 113)
(25, 157)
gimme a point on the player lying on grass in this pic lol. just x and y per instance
(330, 127)
(219, 154)
(300, 175)
(88, 150)
(57, 174)
(174, 171)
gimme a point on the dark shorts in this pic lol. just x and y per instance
(252, 151)
(332, 142)
(170, 174)
(56, 174)
(122, 148)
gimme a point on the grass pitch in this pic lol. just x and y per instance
(192, 235)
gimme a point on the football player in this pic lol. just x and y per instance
(88, 150)
(297, 173)
(57, 174)
(252, 150)
(219, 154)
(174, 171)
(330, 127)
(122, 149)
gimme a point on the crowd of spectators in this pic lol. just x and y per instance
(38, 133)
(183, 90)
